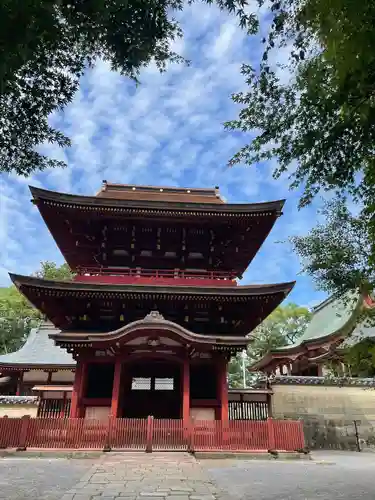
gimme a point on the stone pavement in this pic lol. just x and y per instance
(26, 478)
(140, 476)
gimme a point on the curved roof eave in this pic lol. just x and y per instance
(94, 201)
(245, 291)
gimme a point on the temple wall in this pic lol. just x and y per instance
(17, 411)
(202, 413)
(97, 412)
(63, 376)
(56, 395)
(328, 410)
(35, 376)
(18, 406)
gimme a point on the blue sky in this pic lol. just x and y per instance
(167, 131)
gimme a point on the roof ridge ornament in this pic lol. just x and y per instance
(154, 316)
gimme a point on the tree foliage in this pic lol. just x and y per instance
(17, 315)
(360, 358)
(283, 327)
(315, 114)
(336, 253)
(51, 271)
(46, 47)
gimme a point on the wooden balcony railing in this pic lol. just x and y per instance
(132, 275)
(155, 273)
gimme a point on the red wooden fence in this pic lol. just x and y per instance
(149, 434)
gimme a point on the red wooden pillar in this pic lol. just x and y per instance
(23, 433)
(19, 389)
(271, 434)
(63, 405)
(186, 391)
(116, 390)
(223, 389)
(76, 408)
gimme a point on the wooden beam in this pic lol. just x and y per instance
(222, 365)
(79, 386)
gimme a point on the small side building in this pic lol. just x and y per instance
(311, 381)
(319, 352)
(38, 368)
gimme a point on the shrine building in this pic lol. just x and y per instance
(154, 312)
(336, 325)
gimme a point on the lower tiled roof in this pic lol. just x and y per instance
(19, 400)
(39, 350)
(337, 381)
(328, 318)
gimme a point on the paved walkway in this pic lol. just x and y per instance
(139, 476)
(175, 476)
(23, 478)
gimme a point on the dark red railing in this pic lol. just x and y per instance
(151, 434)
(154, 273)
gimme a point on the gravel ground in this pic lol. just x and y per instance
(331, 476)
(39, 478)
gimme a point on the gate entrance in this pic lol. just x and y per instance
(152, 387)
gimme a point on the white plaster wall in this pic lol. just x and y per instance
(35, 376)
(65, 376)
(17, 411)
(202, 413)
(97, 412)
(53, 395)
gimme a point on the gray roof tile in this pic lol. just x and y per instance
(39, 350)
(19, 400)
(331, 316)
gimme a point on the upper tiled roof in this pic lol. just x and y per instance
(209, 205)
(152, 193)
(39, 350)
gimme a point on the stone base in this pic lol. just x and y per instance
(29, 453)
(251, 456)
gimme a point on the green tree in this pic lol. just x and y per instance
(336, 253)
(236, 372)
(282, 327)
(51, 271)
(17, 315)
(318, 122)
(360, 358)
(46, 47)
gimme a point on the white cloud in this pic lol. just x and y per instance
(167, 131)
